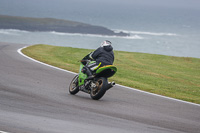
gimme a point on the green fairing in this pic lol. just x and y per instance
(99, 71)
(106, 67)
(82, 76)
(92, 62)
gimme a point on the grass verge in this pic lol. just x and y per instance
(176, 77)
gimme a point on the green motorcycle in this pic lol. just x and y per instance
(96, 86)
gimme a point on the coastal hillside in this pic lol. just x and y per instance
(51, 24)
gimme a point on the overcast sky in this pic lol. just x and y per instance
(165, 3)
(44, 7)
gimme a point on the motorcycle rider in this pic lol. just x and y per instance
(102, 56)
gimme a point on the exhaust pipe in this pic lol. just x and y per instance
(110, 85)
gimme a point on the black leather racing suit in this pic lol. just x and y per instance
(103, 55)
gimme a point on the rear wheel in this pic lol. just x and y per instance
(74, 88)
(98, 88)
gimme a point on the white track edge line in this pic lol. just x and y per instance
(19, 51)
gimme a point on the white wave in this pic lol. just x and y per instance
(6, 32)
(58, 33)
(95, 35)
(145, 33)
(133, 37)
(12, 31)
(20, 32)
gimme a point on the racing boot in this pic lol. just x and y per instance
(89, 74)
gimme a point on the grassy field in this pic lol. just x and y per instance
(177, 77)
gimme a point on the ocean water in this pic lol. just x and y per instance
(157, 30)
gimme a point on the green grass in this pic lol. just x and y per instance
(177, 77)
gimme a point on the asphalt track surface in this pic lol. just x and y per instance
(34, 98)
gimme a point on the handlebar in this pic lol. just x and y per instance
(84, 62)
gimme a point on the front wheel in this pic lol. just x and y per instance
(98, 88)
(74, 88)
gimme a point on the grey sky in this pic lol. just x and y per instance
(161, 3)
(57, 8)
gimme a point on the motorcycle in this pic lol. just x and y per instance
(96, 86)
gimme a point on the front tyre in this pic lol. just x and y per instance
(74, 88)
(98, 88)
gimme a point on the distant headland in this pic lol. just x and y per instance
(52, 24)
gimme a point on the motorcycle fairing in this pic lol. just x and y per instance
(106, 71)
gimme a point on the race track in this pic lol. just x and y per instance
(34, 98)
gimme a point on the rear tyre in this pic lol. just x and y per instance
(74, 88)
(99, 89)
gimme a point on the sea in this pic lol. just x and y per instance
(173, 31)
